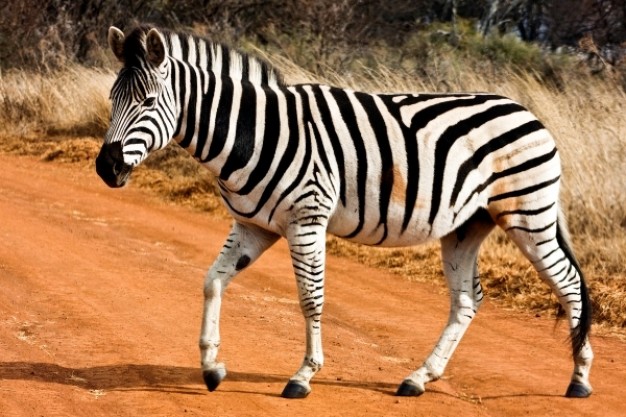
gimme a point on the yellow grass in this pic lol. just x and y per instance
(46, 114)
(69, 101)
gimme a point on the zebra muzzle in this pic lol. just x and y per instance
(111, 167)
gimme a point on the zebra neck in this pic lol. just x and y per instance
(226, 124)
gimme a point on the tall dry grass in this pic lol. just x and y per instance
(70, 101)
(585, 114)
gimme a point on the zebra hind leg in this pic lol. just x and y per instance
(459, 257)
(544, 241)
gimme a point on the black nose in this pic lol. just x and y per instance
(110, 165)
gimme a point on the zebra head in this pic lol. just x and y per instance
(143, 116)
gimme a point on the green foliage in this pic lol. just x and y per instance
(506, 50)
(440, 53)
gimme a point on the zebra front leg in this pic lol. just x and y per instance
(459, 256)
(243, 246)
(308, 254)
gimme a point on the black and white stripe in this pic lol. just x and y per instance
(382, 169)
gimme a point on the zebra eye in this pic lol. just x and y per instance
(149, 102)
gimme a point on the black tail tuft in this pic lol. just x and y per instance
(581, 332)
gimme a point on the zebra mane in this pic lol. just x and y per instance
(203, 53)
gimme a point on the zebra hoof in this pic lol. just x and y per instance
(577, 390)
(296, 389)
(213, 377)
(409, 388)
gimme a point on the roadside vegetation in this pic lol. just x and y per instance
(60, 115)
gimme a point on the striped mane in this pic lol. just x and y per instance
(205, 54)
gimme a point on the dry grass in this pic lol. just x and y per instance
(44, 115)
(70, 101)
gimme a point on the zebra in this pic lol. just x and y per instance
(301, 161)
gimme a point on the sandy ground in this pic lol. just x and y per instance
(100, 302)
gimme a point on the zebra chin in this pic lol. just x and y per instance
(111, 167)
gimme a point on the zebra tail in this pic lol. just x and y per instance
(581, 331)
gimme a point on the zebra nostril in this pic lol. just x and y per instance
(117, 168)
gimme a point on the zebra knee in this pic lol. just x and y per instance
(465, 315)
(463, 309)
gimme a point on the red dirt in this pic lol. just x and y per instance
(100, 302)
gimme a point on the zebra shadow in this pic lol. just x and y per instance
(107, 377)
(145, 377)
(187, 380)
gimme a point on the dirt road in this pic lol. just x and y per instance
(100, 301)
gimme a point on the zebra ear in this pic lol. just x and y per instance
(116, 42)
(155, 47)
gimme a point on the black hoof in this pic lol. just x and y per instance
(213, 377)
(295, 389)
(577, 390)
(409, 389)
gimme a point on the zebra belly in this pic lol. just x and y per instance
(390, 233)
